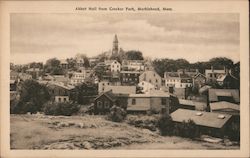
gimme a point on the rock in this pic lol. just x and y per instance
(86, 145)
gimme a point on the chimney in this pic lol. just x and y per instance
(212, 68)
(197, 70)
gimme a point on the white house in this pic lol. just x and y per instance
(151, 77)
(178, 80)
(146, 86)
(133, 65)
(113, 65)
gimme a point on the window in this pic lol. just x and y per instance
(133, 101)
(211, 75)
(59, 99)
(149, 81)
(142, 83)
(64, 99)
(156, 80)
(99, 104)
(163, 101)
(117, 66)
(106, 104)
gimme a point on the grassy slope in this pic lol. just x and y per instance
(90, 132)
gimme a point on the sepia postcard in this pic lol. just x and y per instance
(124, 79)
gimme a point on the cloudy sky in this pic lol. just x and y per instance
(195, 37)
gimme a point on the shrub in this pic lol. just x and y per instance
(117, 114)
(66, 108)
(166, 125)
(143, 121)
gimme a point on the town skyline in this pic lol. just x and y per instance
(202, 36)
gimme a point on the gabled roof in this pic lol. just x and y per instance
(199, 74)
(214, 93)
(108, 94)
(224, 105)
(201, 118)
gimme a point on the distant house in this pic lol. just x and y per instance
(199, 80)
(146, 86)
(177, 79)
(104, 83)
(212, 74)
(133, 65)
(192, 105)
(113, 65)
(225, 108)
(229, 95)
(228, 81)
(129, 77)
(151, 77)
(80, 63)
(35, 72)
(77, 78)
(60, 92)
(208, 122)
(64, 64)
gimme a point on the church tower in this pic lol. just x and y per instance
(115, 48)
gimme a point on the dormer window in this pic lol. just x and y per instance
(221, 116)
(199, 114)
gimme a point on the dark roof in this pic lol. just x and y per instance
(224, 105)
(201, 118)
(214, 93)
(108, 94)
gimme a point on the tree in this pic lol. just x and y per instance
(84, 92)
(36, 65)
(72, 63)
(117, 114)
(99, 71)
(221, 62)
(134, 55)
(32, 97)
(166, 125)
(65, 108)
(52, 66)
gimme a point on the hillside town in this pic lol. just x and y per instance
(207, 93)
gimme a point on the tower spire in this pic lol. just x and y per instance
(115, 45)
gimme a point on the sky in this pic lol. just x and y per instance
(192, 36)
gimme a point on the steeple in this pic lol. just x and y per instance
(115, 45)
